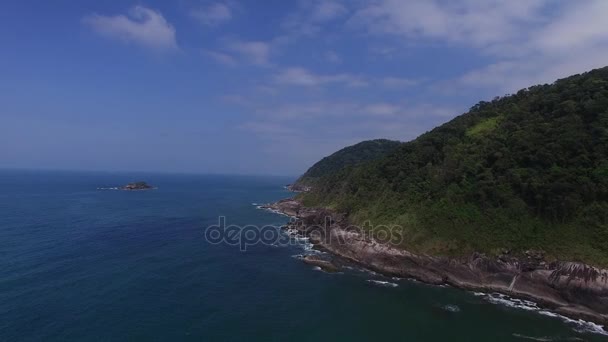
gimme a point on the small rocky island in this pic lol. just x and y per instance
(137, 186)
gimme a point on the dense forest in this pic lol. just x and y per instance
(350, 156)
(524, 171)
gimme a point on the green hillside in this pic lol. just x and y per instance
(525, 171)
(349, 156)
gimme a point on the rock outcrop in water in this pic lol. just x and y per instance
(322, 263)
(137, 186)
(288, 206)
(569, 288)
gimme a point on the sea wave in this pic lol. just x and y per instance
(303, 241)
(274, 211)
(382, 283)
(581, 326)
(451, 308)
(542, 339)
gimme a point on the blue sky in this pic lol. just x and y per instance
(264, 87)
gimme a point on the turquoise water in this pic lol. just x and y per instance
(96, 265)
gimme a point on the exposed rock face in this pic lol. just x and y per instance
(137, 186)
(297, 187)
(324, 264)
(287, 206)
(569, 288)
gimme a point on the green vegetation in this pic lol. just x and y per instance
(348, 157)
(525, 171)
(483, 127)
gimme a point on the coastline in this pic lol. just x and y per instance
(571, 289)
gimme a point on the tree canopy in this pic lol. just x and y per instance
(348, 157)
(523, 171)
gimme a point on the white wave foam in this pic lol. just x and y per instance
(451, 308)
(303, 241)
(382, 283)
(365, 270)
(582, 326)
(274, 211)
(498, 298)
(309, 248)
(543, 339)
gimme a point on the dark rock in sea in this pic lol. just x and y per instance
(322, 263)
(288, 207)
(137, 186)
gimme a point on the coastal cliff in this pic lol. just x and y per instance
(569, 288)
(509, 197)
(523, 172)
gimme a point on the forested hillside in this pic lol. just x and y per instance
(349, 156)
(525, 171)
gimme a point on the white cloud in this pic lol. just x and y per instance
(264, 128)
(237, 52)
(581, 24)
(382, 109)
(302, 77)
(333, 57)
(142, 26)
(298, 76)
(222, 58)
(327, 10)
(347, 120)
(481, 23)
(533, 41)
(398, 82)
(265, 90)
(212, 15)
(360, 110)
(253, 52)
(310, 17)
(306, 111)
(573, 41)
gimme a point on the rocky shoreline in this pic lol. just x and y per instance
(569, 288)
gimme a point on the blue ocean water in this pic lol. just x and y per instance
(78, 263)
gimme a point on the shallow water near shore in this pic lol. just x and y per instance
(88, 264)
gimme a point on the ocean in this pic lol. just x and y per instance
(85, 263)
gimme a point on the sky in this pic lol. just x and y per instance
(264, 87)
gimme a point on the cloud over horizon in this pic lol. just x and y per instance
(295, 79)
